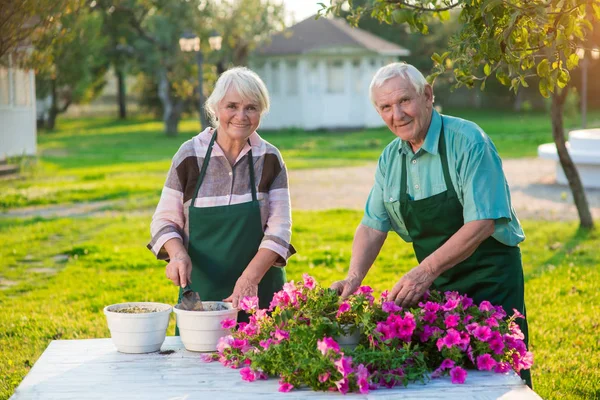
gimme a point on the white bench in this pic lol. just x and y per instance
(584, 148)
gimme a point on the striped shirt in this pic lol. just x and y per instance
(225, 185)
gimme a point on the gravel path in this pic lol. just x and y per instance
(535, 194)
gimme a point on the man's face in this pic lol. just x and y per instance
(404, 111)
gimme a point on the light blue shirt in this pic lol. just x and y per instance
(475, 170)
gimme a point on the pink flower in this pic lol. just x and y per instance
(285, 387)
(228, 323)
(466, 302)
(327, 344)
(344, 307)
(362, 379)
(491, 321)
(265, 344)
(342, 385)
(280, 335)
(483, 333)
(249, 303)
(324, 376)
(496, 345)
(390, 307)
(517, 314)
(451, 320)
(516, 331)
(247, 374)
(344, 366)
(426, 334)
(486, 306)
(384, 295)
(500, 313)
(431, 306)
(447, 363)
(366, 290)
(224, 343)
(405, 327)
(458, 375)
(452, 338)
(251, 330)
(502, 367)
(485, 362)
(208, 357)
(450, 305)
(430, 317)
(261, 375)
(309, 281)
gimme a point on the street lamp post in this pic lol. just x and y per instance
(191, 43)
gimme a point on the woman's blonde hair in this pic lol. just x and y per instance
(244, 81)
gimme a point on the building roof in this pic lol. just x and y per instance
(317, 34)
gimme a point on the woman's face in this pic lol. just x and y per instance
(238, 119)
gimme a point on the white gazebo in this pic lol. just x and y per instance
(318, 74)
(18, 132)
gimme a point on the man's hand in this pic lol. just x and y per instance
(411, 287)
(244, 287)
(179, 269)
(346, 286)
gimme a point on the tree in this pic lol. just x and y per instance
(512, 40)
(70, 62)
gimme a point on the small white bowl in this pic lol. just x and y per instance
(201, 330)
(138, 333)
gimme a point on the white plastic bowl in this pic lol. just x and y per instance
(138, 333)
(201, 330)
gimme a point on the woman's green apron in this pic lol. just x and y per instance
(222, 242)
(494, 272)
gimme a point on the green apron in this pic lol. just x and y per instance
(223, 240)
(494, 272)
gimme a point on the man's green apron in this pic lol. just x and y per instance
(223, 241)
(494, 272)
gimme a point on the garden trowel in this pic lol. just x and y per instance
(190, 300)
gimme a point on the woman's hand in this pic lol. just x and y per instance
(244, 287)
(346, 286)
(179, 269)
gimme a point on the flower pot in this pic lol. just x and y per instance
(201, 330)
(138, 332)
(348, 341)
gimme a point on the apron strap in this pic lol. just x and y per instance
(444, 159)
(403, 184)
(205, 167)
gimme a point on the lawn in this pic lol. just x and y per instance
(57, 274)
(100, 159)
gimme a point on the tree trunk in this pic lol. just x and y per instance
(172, 111)
(202, 100)
(585, 217)
(121, 95)
(53, 112)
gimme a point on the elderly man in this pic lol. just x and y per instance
(439, 185)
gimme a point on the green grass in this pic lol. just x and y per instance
(84, 264)
(99, 159)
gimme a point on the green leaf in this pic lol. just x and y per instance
(482, 88)
(563, 78)
(435, 57)
(543, 87)
(503, 78)
(487, 70)
(523, 81)
(492, 4)
(543, 68)
(401, 16)
(572, 61)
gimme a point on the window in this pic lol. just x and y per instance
(275, 77)
(22, 88)
(313, 78)
(292, 77)
(4, 87)
(357, 77)
(335, 77)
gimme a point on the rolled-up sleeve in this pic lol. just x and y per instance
(278, 229)
(376, 216)
(168, 219)
(484, 187)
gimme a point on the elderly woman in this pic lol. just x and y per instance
(223, 220)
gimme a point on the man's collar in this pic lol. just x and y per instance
(432, 137)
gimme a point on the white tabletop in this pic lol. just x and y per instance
(93, 369)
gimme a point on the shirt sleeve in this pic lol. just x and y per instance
(168, 220)
(376, 216)
(484, 188)
(278, 230)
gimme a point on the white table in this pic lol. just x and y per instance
(93, 369)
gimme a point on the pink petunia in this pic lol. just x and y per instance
(430, 317)
(405, 327)
(344, 366)
(492, 322)
(261, 375)
(249, 303)
(390, 307)
(265, 344)
(247, 374)
(224, 343)
(466, 302)
(452, 338)
(344, 307)
(309, 281)
(426, 334)
(228, 323)
(499, 313)
(496, 345)
(364, 290)
(343, 385)
(517, 314)
(450, 305)
(447, 363)
(251, 330)
(362, 379)
(208, 357)
(458, 375)
(451, 320)
(485, 362)
(285, 387)
(327, 344)
(486, 306)
(483, 333)
(502, 367)
(324, 376)
(280, 335)
(431, 306)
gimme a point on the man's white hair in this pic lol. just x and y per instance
(244, 81)
(402, 69)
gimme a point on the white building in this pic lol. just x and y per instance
(318, 74)
(18, 133)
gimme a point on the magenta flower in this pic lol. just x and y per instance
(247, 374)
(327, 344)
(500, 313)
(516, 331)
(426, 334)
(430, 317)
(285, 387)
(384, 295)
(451, 320)
(228, 323)
(251, 330)
(405, 327)
(342, 385)
(492, 322)
(344, 366)
(261, 375)
(364, 290)
(452, 338)
(458, 375)
(486, 306)
(309, 281)
(485, 362)
(502, 367)
(249, 303)
(208, 357)
(280, 335)
(224, 343)
(446, 364)
(483, 333)
(344, 307)
(390, 307)
(466, 302)
(431, 306)
(362, 379)
(324, 376)
(450, 305)
(496, 345)
(265, 344)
